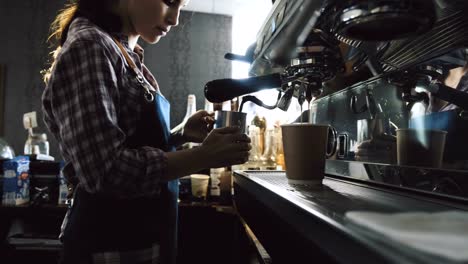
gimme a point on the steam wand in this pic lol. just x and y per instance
(255, 100)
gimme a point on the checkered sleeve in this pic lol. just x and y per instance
(85, 102)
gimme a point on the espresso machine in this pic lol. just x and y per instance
(370, 69)
(367, 68)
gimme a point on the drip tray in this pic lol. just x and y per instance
(334, 196)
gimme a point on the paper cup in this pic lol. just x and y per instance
(305, 148)
(199, 185)
(420, 147)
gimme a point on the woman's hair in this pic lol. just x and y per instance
(101, 12)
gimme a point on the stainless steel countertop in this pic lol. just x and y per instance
(318, 212)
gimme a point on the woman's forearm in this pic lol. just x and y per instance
(185, 162)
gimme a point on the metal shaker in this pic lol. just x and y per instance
(230, 118)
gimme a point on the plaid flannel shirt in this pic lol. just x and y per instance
(91, 106)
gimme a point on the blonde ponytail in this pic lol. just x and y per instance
(98, 12)
(61, 23)
(59, 29)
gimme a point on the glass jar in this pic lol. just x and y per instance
(36, 144)
(6, 152)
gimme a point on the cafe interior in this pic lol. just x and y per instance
(355, 110)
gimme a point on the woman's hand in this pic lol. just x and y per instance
(225, 147)
(198, 126)
(222, 147)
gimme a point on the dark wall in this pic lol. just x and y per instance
(23, 50)
(188, 57)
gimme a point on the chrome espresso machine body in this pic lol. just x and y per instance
(369, 68)
(376, 71)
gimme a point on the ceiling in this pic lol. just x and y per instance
(225, 7)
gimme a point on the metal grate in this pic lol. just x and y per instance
(350, 42)
(277, 178)
(335, 195)
(450, 32)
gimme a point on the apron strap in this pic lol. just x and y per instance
(149, 91)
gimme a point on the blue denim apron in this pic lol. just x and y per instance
(169, 190)
(98, 223)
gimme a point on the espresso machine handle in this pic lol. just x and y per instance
(332, 142)
(221, 90)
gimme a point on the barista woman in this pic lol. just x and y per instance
(112, 123)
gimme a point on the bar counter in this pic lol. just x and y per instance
(298, 224)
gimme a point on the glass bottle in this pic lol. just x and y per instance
(191, 109)
(260, 122)
(209, 107)
(268, 159)
(235, 104)
(254, 158)
(280, 164)
(191, 106)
